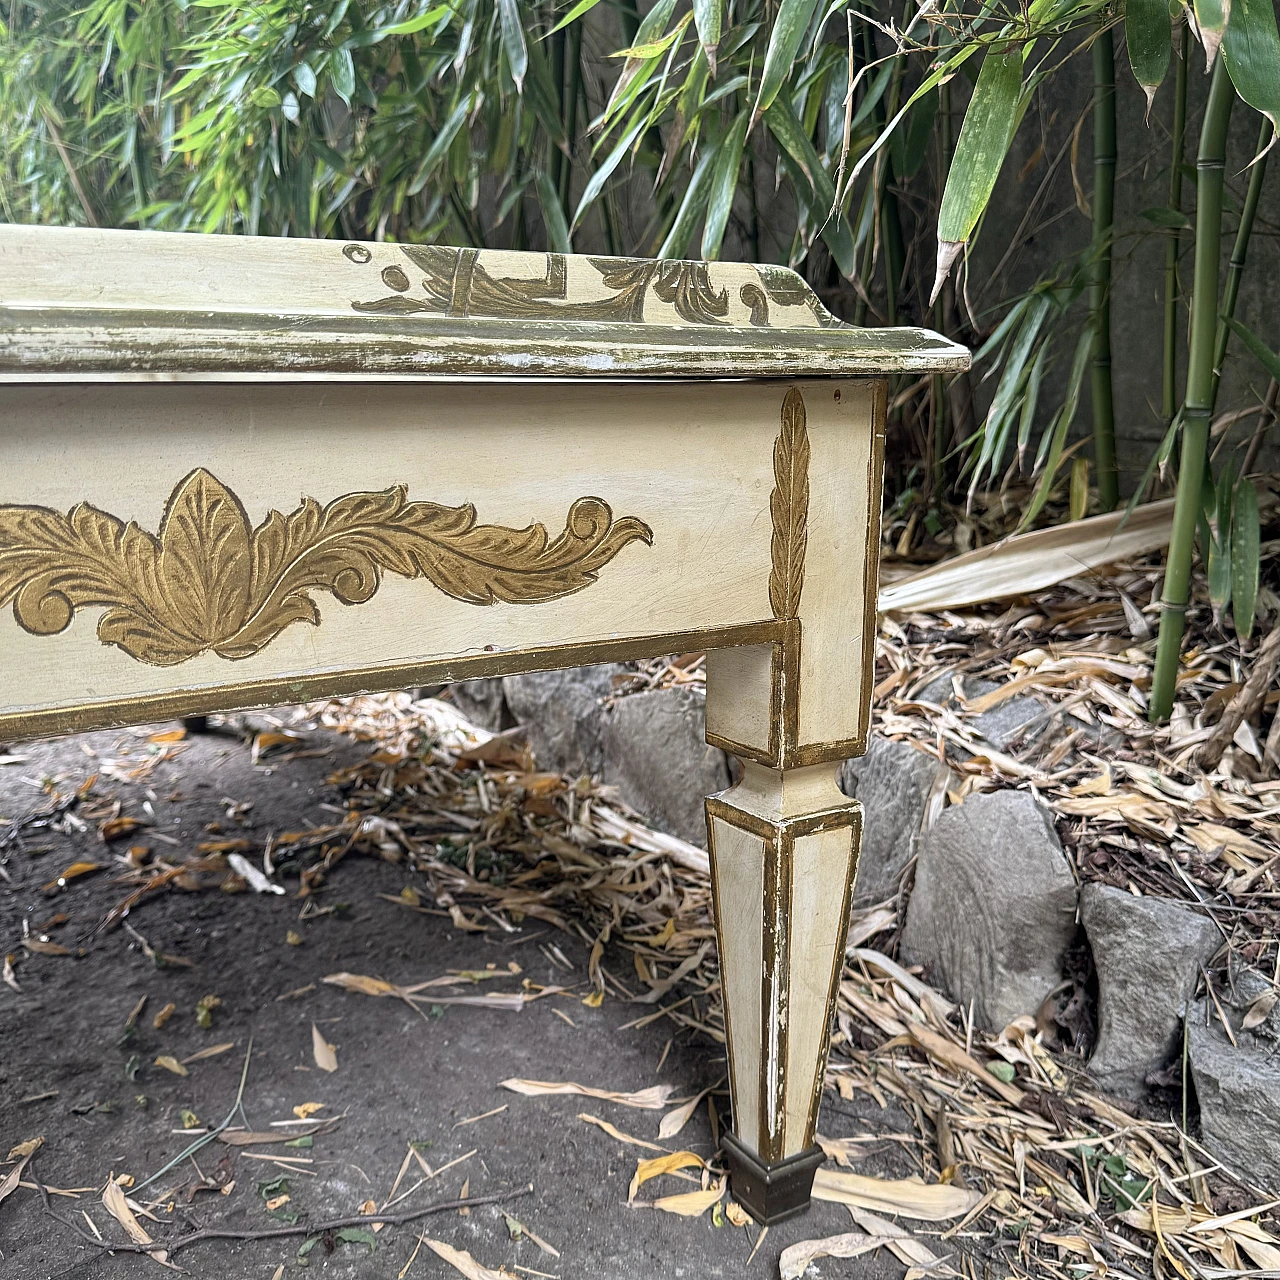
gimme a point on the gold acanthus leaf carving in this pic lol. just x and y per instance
(211, 582)
(789, 508)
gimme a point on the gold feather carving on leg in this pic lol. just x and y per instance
(209, 581)
(789, 507)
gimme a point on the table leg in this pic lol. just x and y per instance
(784, 849)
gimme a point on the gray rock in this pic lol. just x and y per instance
(654, 751)
(483, 703)
(894, 782)
(994, 905)
(563, 714)
(999, 726)
(1148, 952)
(1239, 1093)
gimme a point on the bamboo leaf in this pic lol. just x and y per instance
(724, 183)
(343, 71)
(1057, 434)
(794, 17)
(988, 129)
(1212, 17)
(1149, 34)
(692, 207)
(583, 6)
(1251, 50)
(412, 25)
(552, 213)
(1268, 358)
(439, 146)
(603, 173)
(305, 78)
(1245, 554)
(786, 128)
(513, 41)
(1078, 506)
(708, 17)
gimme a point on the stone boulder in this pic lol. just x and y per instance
(1238, 1087)
(1148, 953)
(894, 781)
(994, 905)
(564, 714)
(651, 746)
(654, 751)
(483, 702)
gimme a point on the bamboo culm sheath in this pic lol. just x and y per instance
(1198, 401)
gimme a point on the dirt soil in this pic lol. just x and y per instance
(71, 1072)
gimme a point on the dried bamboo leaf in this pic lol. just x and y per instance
(654, 1098)
(1029, 562)
(926, 1202)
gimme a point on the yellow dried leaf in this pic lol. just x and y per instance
(275, 1202)
(164, 1015)
(358, 982)
(736, 1214)
(73, 872)
(617, 1133)
(691, 1203)
(926, 1202)
(306, 1110)
(676, 1120)
(1207, 836)
(114, 1202)
(655, 1168)
(460, 1260)
(170, 1063)
(115, 828)
(24, 1149)
(654, 1098)
(325, 1054)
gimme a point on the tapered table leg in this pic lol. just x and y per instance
(784, 841)
(784, 846)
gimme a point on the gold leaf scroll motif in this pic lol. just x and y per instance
(209, 581)
(789, 507)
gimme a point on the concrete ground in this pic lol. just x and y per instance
(73, 1074)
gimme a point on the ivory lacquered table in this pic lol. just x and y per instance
(238, 472)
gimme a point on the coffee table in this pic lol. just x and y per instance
(238, 472)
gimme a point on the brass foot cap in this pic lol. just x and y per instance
(770, 1192)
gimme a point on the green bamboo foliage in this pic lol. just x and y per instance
(1104, 182)
(1198, 403)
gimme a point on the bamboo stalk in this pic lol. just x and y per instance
(1198, 402)
(1104, 189)
(1173, 246)
(1239, 252)
(573, 58)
